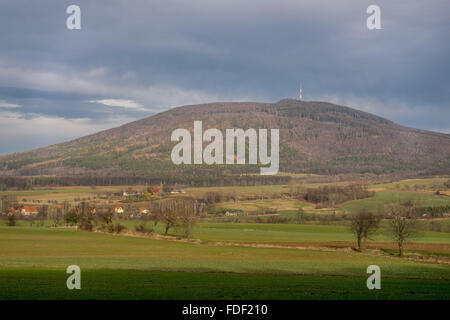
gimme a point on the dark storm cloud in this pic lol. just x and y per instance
(134, 58)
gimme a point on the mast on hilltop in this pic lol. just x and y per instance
(300, 96)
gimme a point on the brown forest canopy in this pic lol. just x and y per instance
(315, 137)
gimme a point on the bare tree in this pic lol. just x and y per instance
(165, 211)
(85, 215)
(188, 215)
(180, 213)
(57, 214)
(11, 219)
(7, 202)
(403, 226)
(363, 224)
(42, 214)
(300, 215)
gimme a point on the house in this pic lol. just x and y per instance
(236, 212)
(11, 211)
(178, 191)
(27, 210)
(118, 210)
(140, 212)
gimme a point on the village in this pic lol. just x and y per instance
(71, 206)
(127, 204)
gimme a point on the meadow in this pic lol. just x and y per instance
(384, 198)
(228, 257)
(266, 233)
(33, 262)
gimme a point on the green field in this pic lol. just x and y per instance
(33, 262)
(383, 198)
(274, 233)
(141, 284)
(428, 184)
(230, 260)
(385, 194)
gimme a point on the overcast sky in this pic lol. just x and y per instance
(133, 58)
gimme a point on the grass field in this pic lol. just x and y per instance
(255, 205)
(62, 194)
(33, 261)
(428, 183)
(141, 284)
(385, 194)
(275, 233)
(227, 260)
(383, 198)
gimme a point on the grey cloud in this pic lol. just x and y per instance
(161, 54)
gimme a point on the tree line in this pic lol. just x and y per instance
(28, 183)
(332, 195)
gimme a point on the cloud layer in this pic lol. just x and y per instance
(131, 60)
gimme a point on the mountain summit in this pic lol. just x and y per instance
(315, 137)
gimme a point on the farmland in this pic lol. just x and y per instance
(240, 257)
(33, 261)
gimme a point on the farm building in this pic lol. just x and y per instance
(235, 212)
(27, 210)
(178, 191)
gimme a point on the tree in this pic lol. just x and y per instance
(85, 214)
(42, 215)
(403, 226)
(180, 213)
(363, 224)
(166, 214)
(7, 202)
(300, 215)
(12, 220)
(188, 215)
(103, 215)
(71, 217)
(55, 213)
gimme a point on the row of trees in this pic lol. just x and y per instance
(179, 213)
(332, 195)
(403, 225)
(195, 179)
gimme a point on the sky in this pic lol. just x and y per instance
(135, 58)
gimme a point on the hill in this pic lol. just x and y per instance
(315, 137)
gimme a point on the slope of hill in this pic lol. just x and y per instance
(315, 137)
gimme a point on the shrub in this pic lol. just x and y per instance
(447, 184)
(86, 225)
(435, 226)
(142, 228)
(71, 218)
(12, 220)
(277, 219)
(114, 228)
